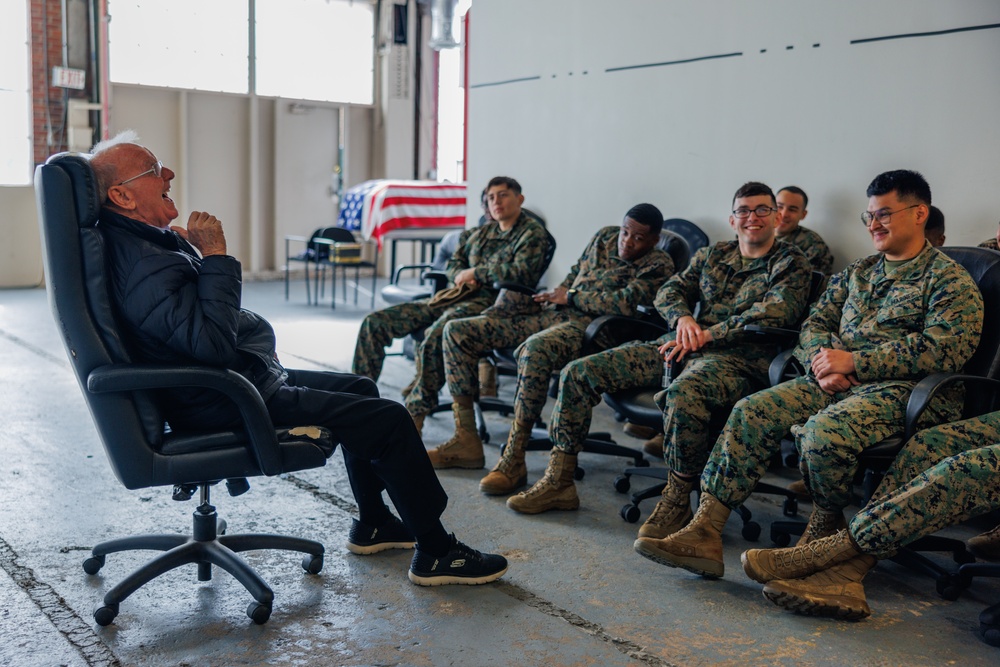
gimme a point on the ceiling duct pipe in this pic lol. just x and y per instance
(443, 24)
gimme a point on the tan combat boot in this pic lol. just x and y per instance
(764, 565)
(464, 449)
(697, 547)
(798, 487)
(510, 472)
(986, 545)
(639, 431)
(822, 523)
(673, 511)
(554, 491)
(487, 379)
(836, 591)
(654, 446)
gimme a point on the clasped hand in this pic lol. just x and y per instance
(834, 370)
(204, 232)
(556, 296)
(690, 338)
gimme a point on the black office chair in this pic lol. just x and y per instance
(690, 232)
(142, 451)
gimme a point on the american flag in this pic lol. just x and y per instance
(377, 207)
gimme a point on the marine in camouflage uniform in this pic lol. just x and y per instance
(942, 476)
(792, 202)
(892, 318)
(815, 249)
(516, 254)
(620, 269)
(728, 291)
(921, 318)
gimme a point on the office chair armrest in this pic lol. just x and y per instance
(609, 331)
(260, 430)
(784, 367)
(772, 334)
(409, 267)
(514, 287)
(440, 279)
(929, 387)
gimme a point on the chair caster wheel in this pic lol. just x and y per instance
(105, 614)
(579, 473)
(622, 484)
(790, 507)
(751, 531)
(950, 587)
(630, 513)
(991, 634)
(93, 565)
(259, 613)
(781, 539)
(312, 564)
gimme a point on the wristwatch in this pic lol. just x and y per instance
(570, 295)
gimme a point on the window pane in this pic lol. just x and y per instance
(315, 49)
(15, 128)
(197, 44)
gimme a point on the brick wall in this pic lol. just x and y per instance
(47, 102)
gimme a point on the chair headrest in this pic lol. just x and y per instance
(86, 195)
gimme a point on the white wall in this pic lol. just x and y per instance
(586, 144)
(20, 245)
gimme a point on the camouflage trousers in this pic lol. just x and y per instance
(545, 342)
(380, 328)
(943, 475)
(582, 382)
(829, 432)
(699, 399)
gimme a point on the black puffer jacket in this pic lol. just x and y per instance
(177, 308)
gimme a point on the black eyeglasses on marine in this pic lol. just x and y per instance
(882, 217)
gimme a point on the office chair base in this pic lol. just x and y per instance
(207, 546)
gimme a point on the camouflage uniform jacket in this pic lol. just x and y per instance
(990, 243)
(606, 284)
(769, 291)
(813, 246)
(924, 317)
(515, 255)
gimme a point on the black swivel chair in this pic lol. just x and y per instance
(690, 232)
(142, 451)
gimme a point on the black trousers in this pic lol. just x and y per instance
(382, 449)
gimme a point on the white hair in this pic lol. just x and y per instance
(123, 137)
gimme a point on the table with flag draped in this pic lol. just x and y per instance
(390, 210)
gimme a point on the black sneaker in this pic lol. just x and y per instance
(364, 539)
(461, 565)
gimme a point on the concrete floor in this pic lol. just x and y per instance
(576, 593)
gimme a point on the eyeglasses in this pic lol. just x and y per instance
(156, 170)
(760, 211)
(882, 217)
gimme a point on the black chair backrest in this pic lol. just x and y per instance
(321, 251)
(675, 246)
(984, 267)
(550, 252)
(74, 258)
(691, 232)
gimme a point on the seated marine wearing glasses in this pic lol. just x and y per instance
(882, 324)
(753, 279)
